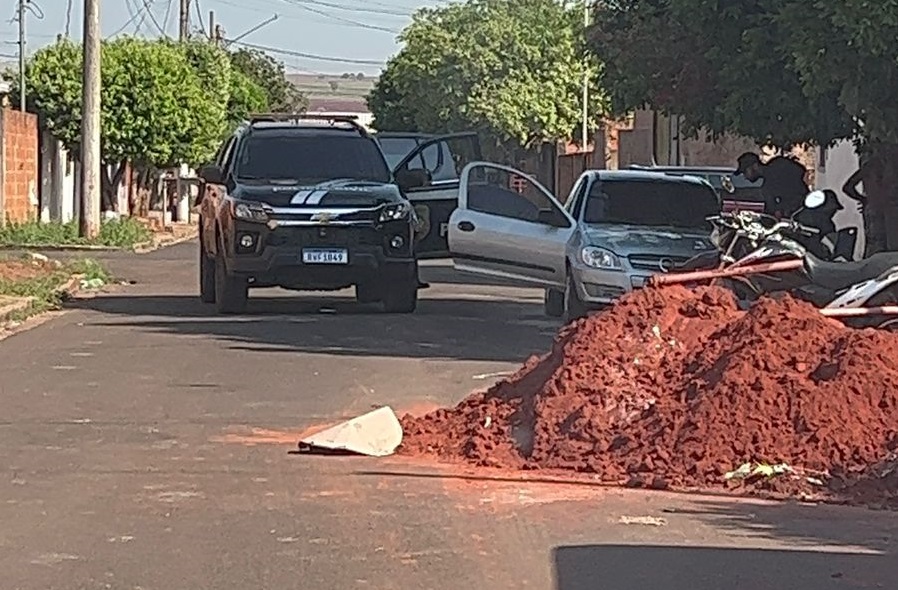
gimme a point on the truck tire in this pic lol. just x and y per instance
(399, 292)
(231, 293)
(207, 275)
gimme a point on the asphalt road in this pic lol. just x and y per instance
(145, 444)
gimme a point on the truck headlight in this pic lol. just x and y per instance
(600, 258)
(250, 212)
(395, 212)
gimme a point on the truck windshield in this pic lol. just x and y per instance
(651, 203)
(310, 158)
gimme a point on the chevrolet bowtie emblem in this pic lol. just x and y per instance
(323, 218)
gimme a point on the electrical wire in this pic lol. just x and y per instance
(311, 56)
(149, 12)
(135, 14)
(384, 11)
(346, 20)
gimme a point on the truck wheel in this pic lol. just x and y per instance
(553, 303)
(400, 291)
(207, 276)
(231, 292)
(574, 308)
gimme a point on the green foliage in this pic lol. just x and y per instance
(246, 97)
(513, 68)
(734, 66)
(213, 71)
(163, 103)
(269, 75)
(115, 233)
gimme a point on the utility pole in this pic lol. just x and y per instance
(22, 54)
(585, 130)
(212, 26)
(184, 30)
(89, 222)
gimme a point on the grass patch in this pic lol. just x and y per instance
(42, 280)
(115, 233)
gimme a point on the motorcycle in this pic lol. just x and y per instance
(759, 255)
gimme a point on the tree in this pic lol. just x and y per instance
(511, 68)
(269, 74)
(781, 71)
(156, 109)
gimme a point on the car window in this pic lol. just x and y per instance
(221, 158)
(396, 148)
(651, 203)
(505, 194)
(575, 199)
(310, 158)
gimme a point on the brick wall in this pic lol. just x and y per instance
(19, 172)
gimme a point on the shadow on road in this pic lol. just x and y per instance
(622, 567)
(481, 330)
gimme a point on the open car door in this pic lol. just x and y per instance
(508, 225)
(429, 177)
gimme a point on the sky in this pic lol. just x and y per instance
(361, 33)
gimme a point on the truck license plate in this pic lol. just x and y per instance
(323, 256)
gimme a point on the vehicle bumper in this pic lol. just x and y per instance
(598, 288)
(276, 258)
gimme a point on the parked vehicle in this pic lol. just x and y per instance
(737, 193)
(307, 203)
(616, 229)
(428, 168)
(864, 292)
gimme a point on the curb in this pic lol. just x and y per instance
(10, 306)
(148, 247)
(70, 247)
(142, 248)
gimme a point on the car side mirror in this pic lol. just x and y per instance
(551, 217)
(211, 174)
(411, 179)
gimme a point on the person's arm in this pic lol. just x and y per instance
(850, 186)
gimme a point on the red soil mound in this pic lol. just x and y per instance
(673, 387)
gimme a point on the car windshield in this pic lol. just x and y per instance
(311, 158)
(396, 148)
(651, 203)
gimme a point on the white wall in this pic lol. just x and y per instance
(840, 162)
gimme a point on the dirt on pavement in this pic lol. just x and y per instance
(673, 388)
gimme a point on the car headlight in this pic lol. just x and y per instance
(395, 212)
(250, 212)
(600, 258)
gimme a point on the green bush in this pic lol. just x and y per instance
(116, 233)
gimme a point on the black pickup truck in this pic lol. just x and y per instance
(306, 203)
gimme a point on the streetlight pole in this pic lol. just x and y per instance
(585, 129)
(22, 54)
(89, 220)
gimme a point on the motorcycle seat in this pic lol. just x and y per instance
(837, 276)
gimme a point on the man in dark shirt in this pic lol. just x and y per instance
(784, 188)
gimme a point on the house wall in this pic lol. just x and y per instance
(836, 165)
(18, 166)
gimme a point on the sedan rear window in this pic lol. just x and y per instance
(651, 203)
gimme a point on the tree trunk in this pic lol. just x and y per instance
(109, 185)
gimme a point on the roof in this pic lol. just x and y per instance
(706, 169)
(645, 176)
(404, 134)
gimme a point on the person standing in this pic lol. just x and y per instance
(874, 230)
(784, 187)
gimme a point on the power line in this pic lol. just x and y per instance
(135, 14)
(345, 60)
(149, 11)
(385, 11)
(345, 20)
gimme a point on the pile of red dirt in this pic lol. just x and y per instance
(676, 388)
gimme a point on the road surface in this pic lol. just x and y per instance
(146, 444)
